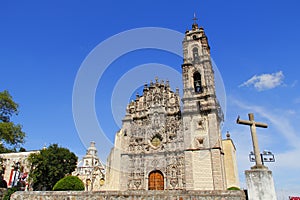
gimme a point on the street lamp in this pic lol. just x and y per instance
(266, 156)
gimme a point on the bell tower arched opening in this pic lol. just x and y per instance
(197, 82)
(195, 53)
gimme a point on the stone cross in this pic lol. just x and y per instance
(253, 126)
(195, 18)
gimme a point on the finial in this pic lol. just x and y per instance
(195, 19)
(228, 135)
(145, 86)
(156, 79)
(44, 147)
(167, 83)
(151, 83)
(92, 143)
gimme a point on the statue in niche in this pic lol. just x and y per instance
(156, 119)
(156, 100)
(137, 183)
(173, 172)
(186, 126)
(173, 182)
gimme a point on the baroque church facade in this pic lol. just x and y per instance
(163, 146)
(91, 170)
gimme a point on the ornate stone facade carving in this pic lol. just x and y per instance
(162, 143)
(154, 129)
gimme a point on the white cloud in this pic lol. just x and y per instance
(297, 100)
(279, 121)
(265, 81)
(294, 83)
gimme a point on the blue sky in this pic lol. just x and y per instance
(255, 45)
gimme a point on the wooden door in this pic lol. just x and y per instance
(156, 181)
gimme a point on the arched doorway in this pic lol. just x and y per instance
(156, 181)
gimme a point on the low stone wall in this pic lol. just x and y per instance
(131, 195)
(2, 192)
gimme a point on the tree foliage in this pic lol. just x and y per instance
(69, 183)
(11, 134)
(233, 188)
(3, 183)
(9, 192)
(50, 165)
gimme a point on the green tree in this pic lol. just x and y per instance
(9, 192)
(69, 183)
(50, 165)
(11, 134)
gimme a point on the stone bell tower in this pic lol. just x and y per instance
(202, 115)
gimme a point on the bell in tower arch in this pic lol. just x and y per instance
(197, 82)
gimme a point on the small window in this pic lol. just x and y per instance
(156, 140)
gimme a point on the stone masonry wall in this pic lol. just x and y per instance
(130, 195)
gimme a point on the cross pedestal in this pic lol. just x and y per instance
(260, 184)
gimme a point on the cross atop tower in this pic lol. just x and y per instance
(195, 19)
(195, 25)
